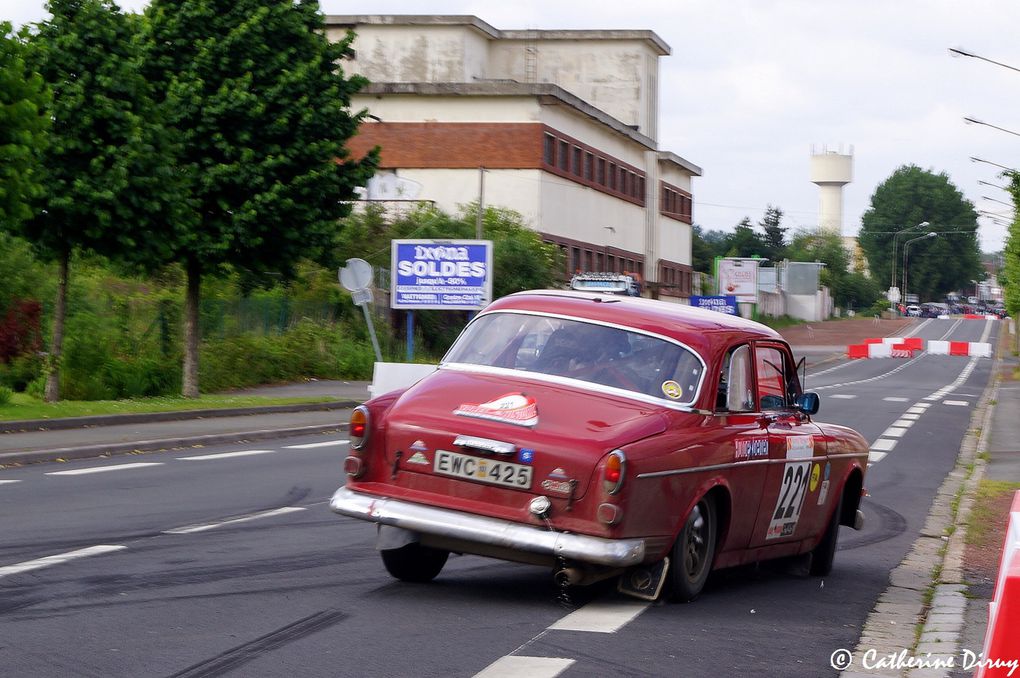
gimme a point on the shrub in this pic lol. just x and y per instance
(5, 395)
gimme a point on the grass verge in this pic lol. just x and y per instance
(22, 407)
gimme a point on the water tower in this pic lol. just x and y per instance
(831, 170)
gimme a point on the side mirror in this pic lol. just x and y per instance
(808, 403)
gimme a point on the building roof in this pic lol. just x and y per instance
(650, 37)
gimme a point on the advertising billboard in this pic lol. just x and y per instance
(450, 274)
(722, 304)
(739, 278)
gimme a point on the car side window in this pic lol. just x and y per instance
(770, 368)
(735, 382)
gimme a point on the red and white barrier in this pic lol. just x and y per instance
(1002, 642)
(979, 316)
(979, 349)
(908, 347)
(886, 347)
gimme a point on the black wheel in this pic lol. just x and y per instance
(825, 552)
(414, 562)
(693, 552)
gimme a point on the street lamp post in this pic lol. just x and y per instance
(892, 278)
(906, 250)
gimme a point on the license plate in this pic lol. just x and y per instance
(483, 470)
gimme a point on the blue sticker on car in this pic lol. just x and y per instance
(525, 455)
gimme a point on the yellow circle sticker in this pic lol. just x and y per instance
(816, 471)
(672, 389)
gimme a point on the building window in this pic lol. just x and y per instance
(589, 162)
(612, 175)
(549, 150)
(563, 157)
(601, 177)
(576, 168)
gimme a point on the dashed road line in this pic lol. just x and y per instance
(884, 444)
(226, 455)
(8, 482)
(309, 446)
(910, 416)
(895, 399)
(843, 396)
(600, 617)
(957, 403)
(894, 432)
(59, 558)
(876, 456)
(104, 469)
(190, 529)
(512, 666)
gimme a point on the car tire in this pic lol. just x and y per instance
(414, 562)
(823, 555)
(693, 552)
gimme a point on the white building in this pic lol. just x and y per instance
(564, 124)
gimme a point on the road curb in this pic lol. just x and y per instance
(139, 446)
(152, 417)
(928, 584)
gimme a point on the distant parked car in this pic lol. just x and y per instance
(914, 311)
(604, 436)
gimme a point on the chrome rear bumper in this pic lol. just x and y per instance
(489, 532)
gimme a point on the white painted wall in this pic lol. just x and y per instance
(615, 76)
(438, 53)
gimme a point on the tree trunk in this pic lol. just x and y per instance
(52, 394)
(191, 332)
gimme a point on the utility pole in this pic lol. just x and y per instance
(481, 202)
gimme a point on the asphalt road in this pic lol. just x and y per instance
(186, 563)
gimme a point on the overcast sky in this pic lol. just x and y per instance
(752, 85)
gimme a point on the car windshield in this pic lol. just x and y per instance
(589, 352)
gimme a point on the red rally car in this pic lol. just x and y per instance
(604, 436)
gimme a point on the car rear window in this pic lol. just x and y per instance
(599, 354)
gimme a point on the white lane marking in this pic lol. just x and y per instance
(905, 421)
(895, 399)
(40, 563)
(875, 378)
(8, 482)
(910, 416)
(600, 617)
(226, 455)
(104, 469)
(525, 667)
(843, 396)
(893, 432)
(308, 446)
(875, 456)
(189, 529)
(883, 444)
(958, 403)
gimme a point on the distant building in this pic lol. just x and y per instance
(564, 123)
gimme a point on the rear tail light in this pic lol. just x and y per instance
(358, 431)
(614, 472)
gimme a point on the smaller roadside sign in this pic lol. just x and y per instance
(362, 296)
(725, 303)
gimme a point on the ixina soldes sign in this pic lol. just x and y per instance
(450, 274)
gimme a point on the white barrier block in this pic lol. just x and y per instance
(388, 377)
(980, 349)
(880, 350)
(936, 347)
(943, 317)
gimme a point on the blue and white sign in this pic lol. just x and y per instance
(723, 303)
(450, 274)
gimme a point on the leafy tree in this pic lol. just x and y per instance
(937, 265)
(106, 173)
(849, 289)
(775, 234)
(744, 242)
(255, 90)
(702, 253)
(1011, 253)
(24, 100)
